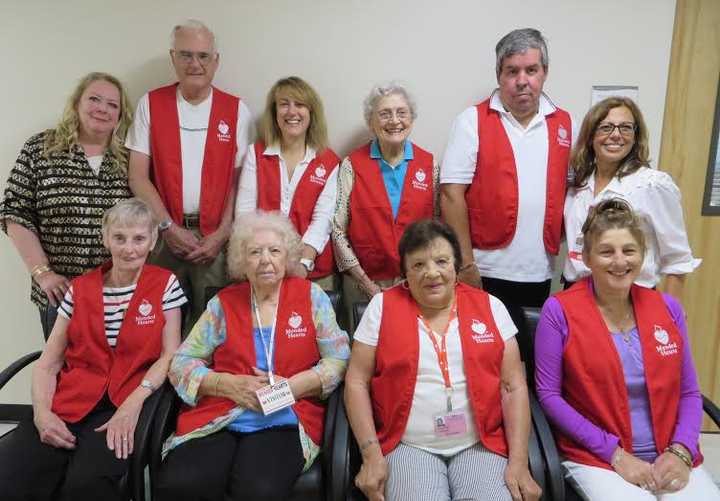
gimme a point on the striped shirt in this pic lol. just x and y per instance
(116, 301)
(62, 201)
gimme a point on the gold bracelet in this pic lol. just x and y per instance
(685, 458)
(217, 382)
(39, 270)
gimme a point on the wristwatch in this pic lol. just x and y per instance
(309, 264)
(147, 384)
(164, 225)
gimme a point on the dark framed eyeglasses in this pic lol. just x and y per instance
(626, 129)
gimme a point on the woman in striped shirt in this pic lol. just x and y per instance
(62, 182)
(117, 329)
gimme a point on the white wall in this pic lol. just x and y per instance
(443, 51)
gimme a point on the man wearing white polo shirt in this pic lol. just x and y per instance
(503, 179)
(186, 144)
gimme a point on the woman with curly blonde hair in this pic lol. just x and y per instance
(62, 182)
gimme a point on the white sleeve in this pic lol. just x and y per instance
(173, 296)
(458, 165)
(66, 307)
(138, 136)
(247, 185)
(368, 331)
(317, 234)
(244, 130)
(502, 319)
(666, 214)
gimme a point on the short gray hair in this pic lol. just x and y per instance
(246, 226)
(518, 42)
(193, 25)
(380, 91)
(129, 212)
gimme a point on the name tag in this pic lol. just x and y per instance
(274, 397)
(450, 424)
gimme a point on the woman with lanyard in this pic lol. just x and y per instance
(254, 371)
(436, 391)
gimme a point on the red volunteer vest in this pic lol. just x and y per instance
(304, 199)
(492, 199)
(91, 365)
(396, 366)
(593, 380)
(373, 233)
(295, 351)
(218, 161)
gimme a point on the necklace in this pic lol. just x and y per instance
(622, 326)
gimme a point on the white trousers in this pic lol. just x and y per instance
(599, 484)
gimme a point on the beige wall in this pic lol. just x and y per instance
(443, 51)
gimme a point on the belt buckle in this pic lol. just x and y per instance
(191, 220)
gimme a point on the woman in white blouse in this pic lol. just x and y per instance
(435, 391)
(291, 170)
(610, 159)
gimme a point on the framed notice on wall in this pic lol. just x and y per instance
(711, 200)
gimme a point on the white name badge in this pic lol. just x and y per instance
(451, 424)
(274, 397)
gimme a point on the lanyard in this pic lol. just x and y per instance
(441, 352)
(268, 351)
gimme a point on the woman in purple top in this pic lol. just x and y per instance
(614, 247)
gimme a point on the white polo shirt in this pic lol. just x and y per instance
(656, 200)
(317, 234)
(429, 397)
(193, 131)
(525, 258)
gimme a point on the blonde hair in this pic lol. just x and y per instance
(611, 214)
(244, 229)
(129, 212)
(299, 90)
(64, 136)
(582, 159)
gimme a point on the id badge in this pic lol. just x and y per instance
(274, 397)
(450, 424)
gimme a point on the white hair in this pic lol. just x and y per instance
(380, 91)
(193, 25)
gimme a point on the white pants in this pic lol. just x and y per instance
(599, 484)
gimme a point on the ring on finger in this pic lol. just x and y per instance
(674, 482)
(124, 439)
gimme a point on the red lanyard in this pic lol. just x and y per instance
(441, 351)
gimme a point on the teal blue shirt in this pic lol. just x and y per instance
(393, 177)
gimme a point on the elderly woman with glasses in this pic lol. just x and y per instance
(254, 372)
(610, 159)
(382, 186)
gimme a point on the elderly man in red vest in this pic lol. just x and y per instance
(186, 143)
(503, 178)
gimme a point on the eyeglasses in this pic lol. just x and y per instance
(387, 115)
(187, 57)
(626, 129)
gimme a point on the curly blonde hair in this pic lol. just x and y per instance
(64, 136)
(246, 226)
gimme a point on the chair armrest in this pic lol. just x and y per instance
(555, 479)
(163, 425)
(338, 483)
(141, 450)
(536, 463)
(18, 365)
(711, 410)
(329, 430)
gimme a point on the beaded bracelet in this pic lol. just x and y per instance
(367, 443)
(685, 458)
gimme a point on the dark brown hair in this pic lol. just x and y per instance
(419, 234)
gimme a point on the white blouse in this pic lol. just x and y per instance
(656, 200)
(429, 398)
(318, 232)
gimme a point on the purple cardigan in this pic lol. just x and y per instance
(550, 339)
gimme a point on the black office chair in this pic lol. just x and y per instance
(559, 489)
(325, 480)
(536, 461)
(132, 484)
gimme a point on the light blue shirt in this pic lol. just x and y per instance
(251, 421)
(393, 177)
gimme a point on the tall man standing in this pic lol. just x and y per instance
(186, 143)
(503, 179)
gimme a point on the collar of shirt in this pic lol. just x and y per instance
(274, 149)
(376, 154)
(545, 108)
(615, 185)
(194, 117)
